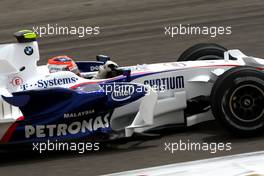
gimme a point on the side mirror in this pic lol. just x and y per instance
(102, 58)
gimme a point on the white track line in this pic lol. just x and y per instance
(233, 165)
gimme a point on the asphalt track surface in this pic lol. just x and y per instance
(132, 32)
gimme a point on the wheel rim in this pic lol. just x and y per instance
(246, 103)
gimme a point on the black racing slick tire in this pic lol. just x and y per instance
(203, 51)
(237, 101)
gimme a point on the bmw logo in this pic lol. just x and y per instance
(28, 50)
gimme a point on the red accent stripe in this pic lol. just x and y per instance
(142, 72)
(20, 118)
(228, 65)
(7, 136)
(84, 83)
(94, 82)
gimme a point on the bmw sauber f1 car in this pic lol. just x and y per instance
(102, 101)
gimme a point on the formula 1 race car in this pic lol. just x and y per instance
(208, 82)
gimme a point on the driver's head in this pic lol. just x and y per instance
(62, 63)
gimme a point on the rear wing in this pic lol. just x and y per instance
(18, 62)
(14, 56)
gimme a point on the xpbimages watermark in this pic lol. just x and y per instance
(79, 147)
(55, 29)
(212, 147)
(212, 31)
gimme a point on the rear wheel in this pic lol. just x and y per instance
(203, 51)
(237, 100)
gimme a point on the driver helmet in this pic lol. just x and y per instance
(62, 63)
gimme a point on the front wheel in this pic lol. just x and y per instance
(237, 100)
(203, 51)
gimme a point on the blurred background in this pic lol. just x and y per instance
(132, 32)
